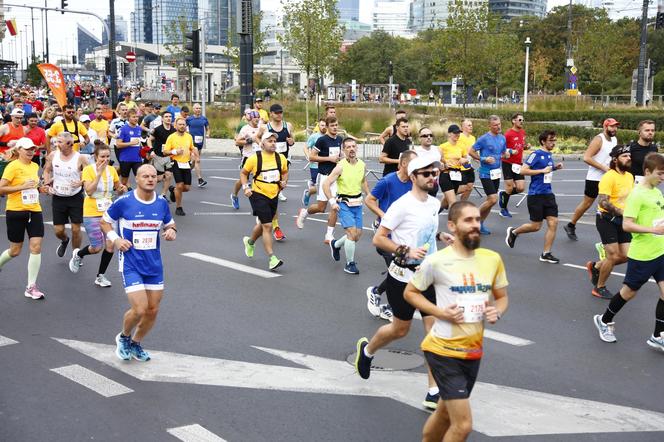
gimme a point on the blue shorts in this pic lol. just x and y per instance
(350, 216)
(638, 272)
(314, 174)
(134, 281)
(199, 147)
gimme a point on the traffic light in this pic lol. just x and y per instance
(659, 22)
(63, 5)
(193, 47)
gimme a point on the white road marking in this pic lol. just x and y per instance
(222, 178)
(574, 266)
(94, 381)
(194, 433)
(222, 213)
(6, 341)
(498, 410)
(216, 204)
(67, 226)
(222, 170)
(309, 218)
(231, 265)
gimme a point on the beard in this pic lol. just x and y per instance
(471, 243)
(624, 167)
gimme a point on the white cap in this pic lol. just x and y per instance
(420, 163)
(17, 112)
(58, 118)
(25, 143)
(84, 119)
(267, 134)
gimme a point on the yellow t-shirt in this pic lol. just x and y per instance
(269, 173)
(264, 115)
(18, 173)
(59, 127)
(466, 142)
(97, 203)
(452, 154)
(467, 282)
(99, 126)
(180, 142)
(617, 186)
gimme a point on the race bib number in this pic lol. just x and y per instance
(135, 141)
(335, 151)
(473, 306)
(63, 189)
(397, 271)
(103, 204)
(198, 139)
(638, 179)
(516, 168)
(184, 165)
(145, 240)
(282, 147)
(548, 177)
(271, 176)
(495, 174)
(455, 175)
(29, 196)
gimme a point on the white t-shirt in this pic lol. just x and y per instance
(249, 132)
(433, 154)
(413, 223)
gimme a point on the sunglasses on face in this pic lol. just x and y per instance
(428, 173)
(426, 136)
(519, 119)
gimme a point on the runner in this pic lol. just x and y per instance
(20, 182)
(115, 126)
(489, 149)
(180, 146)
(38, 136)
(408, 231)
(349, 177)
(270, 174)
(467, 141)
(464, 277)
(99, 182)
(69, 124)
(246, 138)
(128, 142)
(515, 137)
(642, 217)
(455, 157)
(174, 108)
(62, 173)
(199, 128)
(391, 130)
(141, 214)
(541, 199)
(597, 156)
(11, 131)
(426, 149)
(162, 162)
(640, 148)
(614, 187)
(397, 143)
(313, 165)
(258, 107)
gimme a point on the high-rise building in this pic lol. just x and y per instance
(151, 17)
(142, 21)
(86, 42)
(349, 10)
(221, 19)
(121, 29)
(392, 16)
(427, 14)
(509, 9)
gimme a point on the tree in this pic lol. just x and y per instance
(232, 48)
(34, 76)
(540, 66)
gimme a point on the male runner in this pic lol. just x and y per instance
(199, 128)
(643, 217)
(391, 130)
(174, 108)
(464, 277)
(397, 143)
(141, 215)
(467, 141)
(162, 162)
(313, 165)
(597, 157)
(180, 146)
(455, 157)
(99, 124)
(68, 124)
(11, 131)
(426, 149)
(38, 136)
(115, 126)
(246, 138)
(258, 107)
(515, 137)
(640, 148)
(541, 200)
(128, 143)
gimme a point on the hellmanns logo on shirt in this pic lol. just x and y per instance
(469, 285)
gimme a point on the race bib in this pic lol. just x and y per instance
(135, 141)
(455, 175)
(29, 196)
(638, 179)
(516, 168)
(473, 306)
(335, 151)
(184, 165)
(103, 204)
(548, 177)
(63, 189)
(397, 271)
(282, 147)
(145, 240)
(271, 176)
(495, 174)
(198, 139)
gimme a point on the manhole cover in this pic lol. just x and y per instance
(392, 360)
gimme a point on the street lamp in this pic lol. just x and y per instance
(525, 81)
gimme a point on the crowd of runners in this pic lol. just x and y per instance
(82, 167)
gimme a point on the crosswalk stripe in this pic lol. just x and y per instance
(231, 265)
(91, 380)
(194, 433)
(6, 341)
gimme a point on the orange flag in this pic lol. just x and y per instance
(55, 80)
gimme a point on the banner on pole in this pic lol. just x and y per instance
(11, 27)
(55, 80)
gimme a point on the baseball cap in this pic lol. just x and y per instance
(58, 118)
(610, 122)
(258, 99)
(84, 119)
(25, 143)
(267, 135)
(420, 163)
(619, 150)
(157, 106)
(276, 108)
(16, 112)
(453, 129)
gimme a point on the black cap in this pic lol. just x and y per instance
(157, 106)
(276, 108)
(619, 150)
(149, 103)
(453, 129)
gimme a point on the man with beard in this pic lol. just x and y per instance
(614, 187)
(69, 124)
(541, 200)
(640, 148)
(597, 157)
(464, 277)
(408, 231)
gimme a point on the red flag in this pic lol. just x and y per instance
(11, 26)
(55, 80)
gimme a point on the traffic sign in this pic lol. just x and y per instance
(131, 56)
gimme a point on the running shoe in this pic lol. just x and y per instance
(275, 262)
(484, 230)
(602, 292)
(202, 182)
(505, 213)
(75, 262)
(278, 234)
(171, 190)
(335, 251)
(606, 331)
(386, 312)
(548, 257)
(431, 401)
(328, 238)
(373, 301)
(593, 272)
(362, 361)
(306, 197)
(282, 197)
(375, 224)
(301, 216)
(32, 291)
(62, 248)
(656, 343)
(235, 202)
(510, 239)
(570, 229)
(248, 248)
(351, 268)
(102, 281)
(179, 211)
(123, 347)
(600, 251)
(138, 353)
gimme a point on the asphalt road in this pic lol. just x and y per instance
(549, 378)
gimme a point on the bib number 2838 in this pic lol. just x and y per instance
(145, 240)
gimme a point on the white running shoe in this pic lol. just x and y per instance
(75, 262)
(656, 343)
(386, 312)
(102, 281)
(282, 197)
(373, 301)
(606, 331)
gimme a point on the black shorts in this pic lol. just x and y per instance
(542, 206)
(490, 186)
(21, 221)
(400, 307)
(508, 173)
(454, 377)
(611, 232)
(127, 166)
(468, 176)
(181, 175)
(263, 207)
(446, 183)
(592, 189)
(68, 209)
(638, 272)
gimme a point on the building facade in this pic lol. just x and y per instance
(509, 9)
(393, 17)
(121, 29)
(349, 10)
(86, 42)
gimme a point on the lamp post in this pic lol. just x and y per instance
(525, 81)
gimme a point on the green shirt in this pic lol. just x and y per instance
(646, 206)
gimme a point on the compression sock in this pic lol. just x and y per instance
(616, 303)
(659, 318)
(105, 261)
(84, 251)
(4, 258)
(349, 249)
(340, 242)
(34, 262)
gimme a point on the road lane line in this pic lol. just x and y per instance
(574, 266)
(309, 218)
(91, 380)
(217, 204)
(6, 341)
(222, 178)
(222, 213)
(231, 265)
(194, 433)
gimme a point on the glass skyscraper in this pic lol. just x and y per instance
(152, 16)
(509, 9)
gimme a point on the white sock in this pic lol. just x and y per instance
(367, 354)
(330, 231)
(433, 391)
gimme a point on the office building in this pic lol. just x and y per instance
(392, 16)
(86, 42)
(121, 30)
(349, 10)
(509, 9)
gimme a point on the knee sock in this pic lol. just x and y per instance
(616, 303)
(506, 198)
(84, 251)
(659, 318)
(4, 258)
(349, 248)
(105, 261)
(34, 262)
(340, 242)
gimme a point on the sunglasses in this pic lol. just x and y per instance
(519, 119)
(426, 136)
(428, 173)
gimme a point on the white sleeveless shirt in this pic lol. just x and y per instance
(602, 157)
(64, 172)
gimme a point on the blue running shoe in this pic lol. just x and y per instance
(505, 213)
(484, 230)
(235, 201)
(351, 268)
(138, 353)
(336, 251)
(305, 198)
(123, 347)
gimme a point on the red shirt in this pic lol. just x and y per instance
(38, 136)
(36, 105)
(516, 140)
(78, 91)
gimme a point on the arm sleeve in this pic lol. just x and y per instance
(112, 214)
(530, 161)
(88, 173)
(284, 163)
(387, 147)
(81, 129)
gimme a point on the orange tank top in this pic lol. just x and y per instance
(14, 134)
